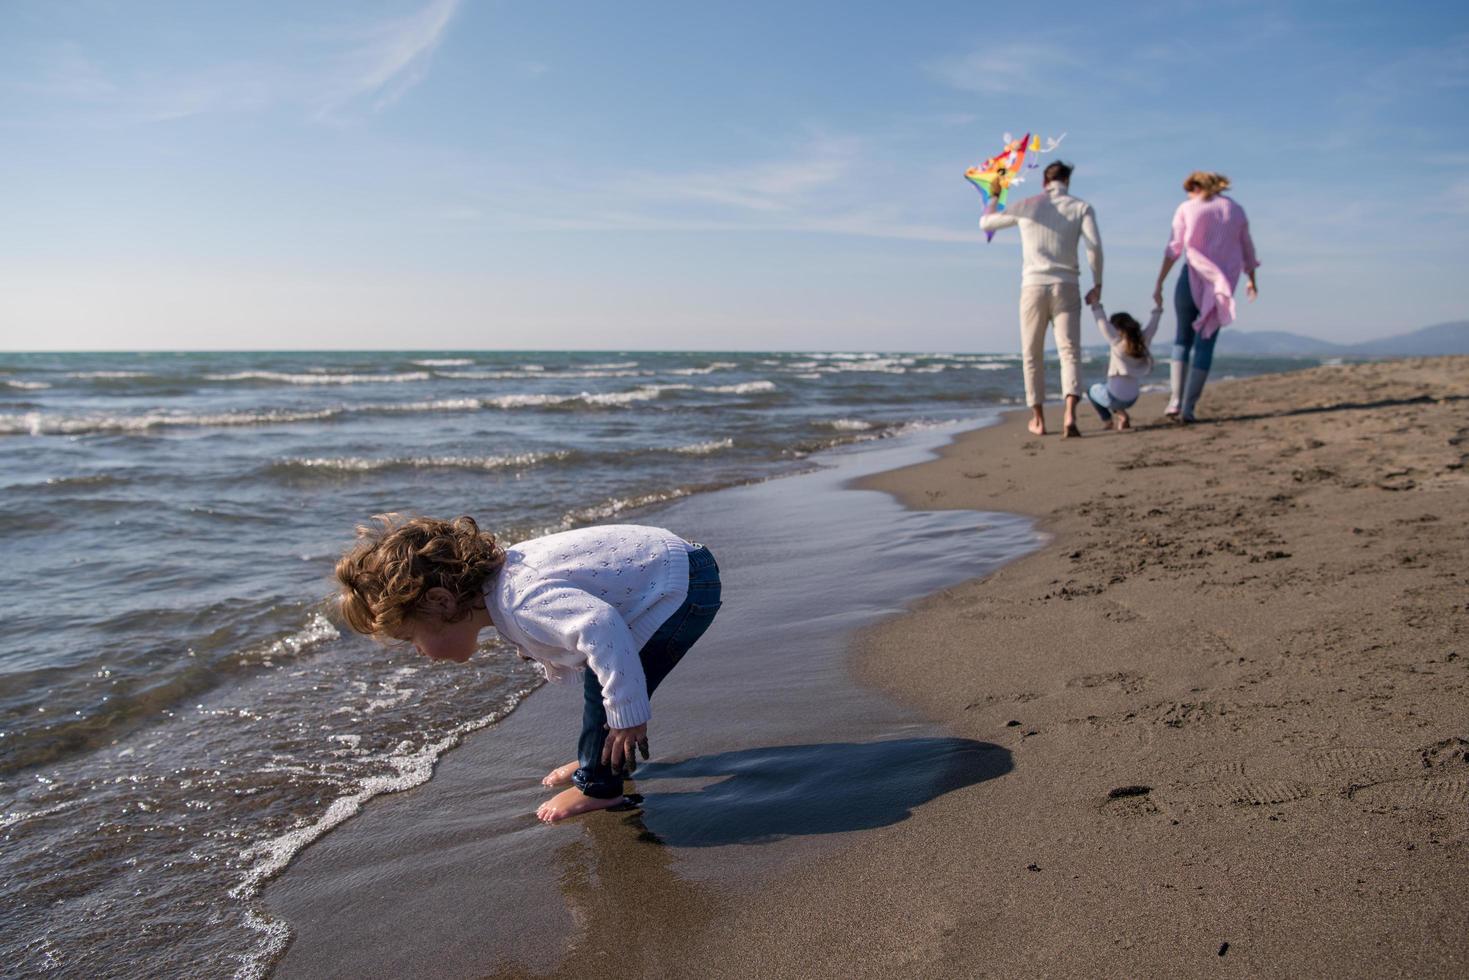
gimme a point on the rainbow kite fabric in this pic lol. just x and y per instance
(994, 177)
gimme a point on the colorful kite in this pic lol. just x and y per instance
(994, 177)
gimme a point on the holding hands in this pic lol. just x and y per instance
(1095, 295)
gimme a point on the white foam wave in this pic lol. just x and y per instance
(323, 378)
(360, 464)
(88, 375)
(616, 506)
(505, 375)
(28, 385)
(744, 388)
(318, 630)
(706, 369)
(705, 448)
(992, 366)
(846, 425)
(444, 361)
(39, 423)
(613, 365)
(408, 767)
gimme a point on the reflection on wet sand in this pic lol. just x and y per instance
(618, 877)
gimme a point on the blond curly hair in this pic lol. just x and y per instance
(397, 559)
(1207, 181)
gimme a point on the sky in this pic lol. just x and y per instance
(485, 174)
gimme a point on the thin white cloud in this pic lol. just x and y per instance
(336, 73)
(390, 58)
(1002, 69)
(776, 186)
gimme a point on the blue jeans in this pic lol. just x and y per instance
(664, 649)
(1187, 338)
(1105, 402)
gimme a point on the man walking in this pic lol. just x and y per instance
(1051, 226)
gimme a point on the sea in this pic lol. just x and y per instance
(180, 714)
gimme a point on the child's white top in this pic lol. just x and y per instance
(1123, 371)
(591, 598)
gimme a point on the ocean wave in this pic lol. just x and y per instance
(318, 630)
(616, 506)
(613, 365)
(105, 375)
(845, 425)
(706, 369)
(992, 366)
(321, 378)
(360, 464)
(507, 375)
(444, 361)
(743, 388)
(705, 448)
(407, 767)
(28, 385)
(39, 424)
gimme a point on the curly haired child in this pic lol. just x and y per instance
(624, 601)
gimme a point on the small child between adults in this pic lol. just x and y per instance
(623, 600)
(1129, 363)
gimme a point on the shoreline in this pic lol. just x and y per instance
(1164, 808)
(738, 789)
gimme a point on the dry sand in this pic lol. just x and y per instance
(1234, 686)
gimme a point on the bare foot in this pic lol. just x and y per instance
(1037, 427)
(570, 802)
(1124, 422)
(560, 776)
(1071, 432)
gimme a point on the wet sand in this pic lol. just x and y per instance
(1218, 723)
(768, 754)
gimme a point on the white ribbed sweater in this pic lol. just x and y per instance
(1051, 226)
(591, 598)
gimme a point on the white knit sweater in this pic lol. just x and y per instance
(1051, 226)
(591, 598)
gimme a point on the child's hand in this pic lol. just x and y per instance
(622, 746)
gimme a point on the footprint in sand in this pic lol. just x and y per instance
(1349, 760)
(1259, 792)
(1444, 786)
(1124, 681)
(1432, 793)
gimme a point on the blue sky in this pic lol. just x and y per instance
(482, 174)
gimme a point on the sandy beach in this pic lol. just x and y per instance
(1233, 687)
(1216, 723)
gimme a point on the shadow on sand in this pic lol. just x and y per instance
(761, 795)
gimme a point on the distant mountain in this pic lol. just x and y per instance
(1279, 342)
(1439, 339)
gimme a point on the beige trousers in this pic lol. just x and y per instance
(1040, 306)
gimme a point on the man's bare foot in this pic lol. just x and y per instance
(560, 776)
(570, 802)
(1071, 432)
(1037, 426)
(1124, 422)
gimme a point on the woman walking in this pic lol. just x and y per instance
(1212, 235)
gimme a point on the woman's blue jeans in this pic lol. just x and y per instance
(664, 649)
(1187, 340)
